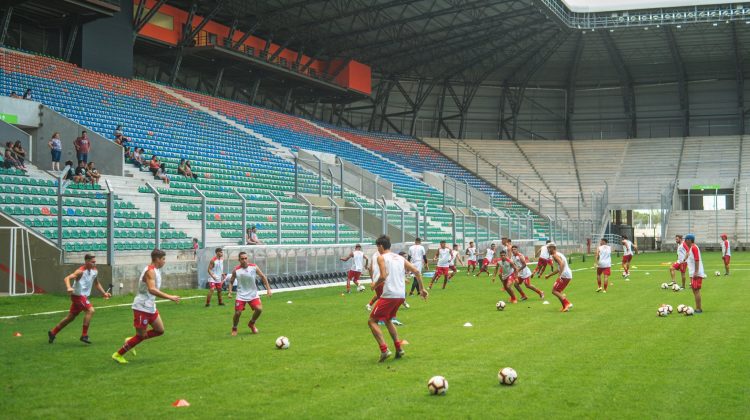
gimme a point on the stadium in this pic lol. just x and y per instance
(521, 198)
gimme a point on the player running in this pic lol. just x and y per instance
(359, 261)
(628, 248)
(374, 270)
(84, 278)
(726, 253)
(144, 305)
(489, 257)
(507, 272)
(216, 276)
(418, 257)
(565, 276)
(455, 255)
(471, 260)
(247, 292)
(604, 265)
(695, 270)
(543, 261)
(391, 275)
(443, 257)
(523, 275)
(681, 264)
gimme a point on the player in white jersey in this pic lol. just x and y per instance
(455, 255)
(247, 292)
(489, 258)
(359, 262)
(507, 271)
(628, 249)
(443, 258)
(417, 255)
(726, 253)
(543, 261)
(216, 276)
(471, 260)
(392, 269)
(565, 276)
(681, 264)
(84, 278)
(523, 275)
(695, 270)
(144, 305)
(603, 265)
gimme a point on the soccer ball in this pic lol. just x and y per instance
(282, 343)
(668, 307)
(676, 287)
(681, 308)
(662, 312)
(664, 286)
(361, 288)
(717, 273)
(500, 305)
(437, 385)
(689, 311)
(507, 376)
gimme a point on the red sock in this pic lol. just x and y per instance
(372, 301)
(383, 348)
(397, 343)
(56, 329)
(565, 302)
(85, 330)
(132, 342)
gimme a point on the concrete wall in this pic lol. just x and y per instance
(22, 112)
(9, 132)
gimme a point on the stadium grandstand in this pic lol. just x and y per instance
(292, 130)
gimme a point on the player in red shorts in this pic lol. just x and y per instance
(507, 271)
(603, 264)
(392, 269)
(726, 253)
(471, 260)
(695, 270)
(681, 265)
(565, 276)
(144, 305)
(247, 292)
(443, 258)
(523, 275)
(489, 257)
(543, 261)
(374, 270)
(216, 276)
(455, 255)
(628, 250)
(359, 262)
(84, 278)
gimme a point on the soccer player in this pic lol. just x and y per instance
(489, 257)
(543, 261)
(604, 265)
(524, 273)
(443, 258)
(682, 250)
(726, 253)
(418, 257)
(565, 276)
(628, 248)
(391, 270)
(359, 261)
(471, 261)
(455, 255)
(695, 270)
(372, 267)
(216, 276)
(144, 305)
(247, 292)
(507, 274)
(84, 278)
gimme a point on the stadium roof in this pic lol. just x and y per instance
(584, 6)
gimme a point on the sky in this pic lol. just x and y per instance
(583, 6)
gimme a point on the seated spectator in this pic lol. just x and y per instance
(120, 137)
(118, 131)
(27, 95)
(181, 167)
(154, 165)
(14, 95)
(20, 153)
(195, 248)
(251, 237)
(68, 171)
(92, 173)
(138, 158)
(162, 173)
(9, 158)
(55, 147)
(189, 170)
(80, 173)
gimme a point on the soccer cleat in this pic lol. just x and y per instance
(604, 291)
(400, 353)
(85, 339)
(406, 305)
(207, 305)
(384, 355)
(513, 300)
(523, 298)
(221, 303)
(698, 311)
(541, 296)
(252, 327)
(234, 332)
(567, 307)
(368, 307)
(599, 290)
(117, 357)
(395, 321)
(51, 337)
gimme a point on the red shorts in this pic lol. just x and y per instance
(726, 259)
(440, 271)
(452, 267)
(603, 270)
(79, 304)
(141, 319)
(626, 258)
(485, 262)
(509, 280)
(215, 286)
(239, 305)
(353, 275)
(561, 284)
(526, 281)
(680, 266)
(471, 263)
(386, 308)
(496, 260)
(696, 283)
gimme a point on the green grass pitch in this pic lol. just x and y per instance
(610, 357)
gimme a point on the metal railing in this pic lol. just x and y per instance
(17, 254)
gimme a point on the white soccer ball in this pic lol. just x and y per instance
(668, 307)
(717, 273)
(437, 385)
(361, 288)
(507, 376)
(500, 305)
(676, 287)
(662, 311)
(664, 286)
(282, 343)
(681, 308)
(689, 311)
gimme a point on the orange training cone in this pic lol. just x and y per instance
(181, 403)
(16, 334)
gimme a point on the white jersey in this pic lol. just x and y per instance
(544, 252)
(416, 253)
(508, 267)
(247, 288)
(358, 261)
(395, 282)
(725, 248)
(454, 254)
(145, 301)
(605, 256)
(444, 257)
(565, 272)
(695, 263)
(520, 262)
(374, 265)
(682, 252)
(627, 247)
(82, 286)
(472, 253)
(489, 254)
(218, 270)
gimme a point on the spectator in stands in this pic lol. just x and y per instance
(27, 95)
(83, 147)
(118, 131)
(69, 172)
(138, 157)
(184, 169)
(55, 147)
(14, 95)
(120, 137)
(9, 158)
(80, 173)
(195, 248)
(92, 173)
(20, 153)
(189, 170)
(162, 173)
(154, 165)
(251, 237)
